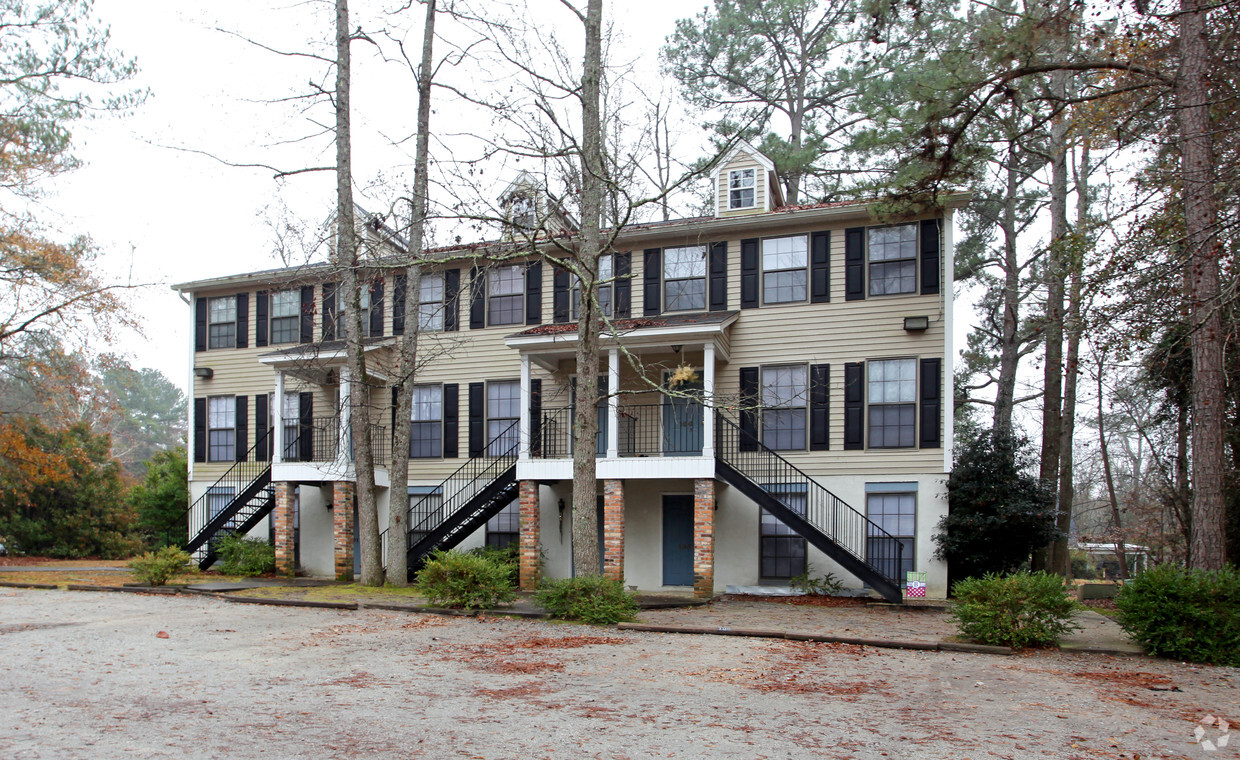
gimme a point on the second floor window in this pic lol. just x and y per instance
(892, 395)
(503, 409)
(222, 322)
(342, 323)
(893, 259)
(221, 428)
(506, 295)
(426, 437)
(604, 290)
(784, 399)
(741, 188)
(430, 302)
(784, 269)
(286, 316)
(684, 278)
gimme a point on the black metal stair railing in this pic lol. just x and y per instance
(467, 497)
(846, 535)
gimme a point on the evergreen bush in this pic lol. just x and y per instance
(158, 567)
(245, 556)
(591, 599)
(465, 579)
(1185, 614)
(1016, 610)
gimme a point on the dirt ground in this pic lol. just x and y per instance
(99, 675)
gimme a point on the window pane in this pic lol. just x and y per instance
(505, 281)
(893, 277)
(427, 403)
(784, 287)
(223, 309)
(784, 386)
(286, 303)
(891, 243)
(686, 295)
(221, 412)
(505, 310)
(784, 253)
(431, 288)
(680, 263)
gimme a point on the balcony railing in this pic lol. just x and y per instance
(320, 442)
(671, 429)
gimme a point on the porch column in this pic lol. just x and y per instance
(344, 454)
(708, 400)
(613, 530)
(529, 542)
(277, 435)
(285, 548)
(342, 528)
(523, 426)
(704, 538)
(613, 405)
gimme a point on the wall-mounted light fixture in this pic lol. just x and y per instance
(916, 324)
(204, 373)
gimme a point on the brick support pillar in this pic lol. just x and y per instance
(704, 538)
(613, 529)
(531, 563)
(342, 528)
(286, 551)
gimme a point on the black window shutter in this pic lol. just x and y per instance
(651, 282)
(533, 293)
(854, 264)
(305, 427)
(622, 299)
(819, 407)
(930, 257)
(535, 417)
(200, 426)
(260, 317)
(718, 271)
(750, 298)
(307, 314)
(560, 279)
(477, 422)
(749, 409)
(820, 267)
(854, 406)
(376, 309)
(398, 304)
(242, 446)
(477, 301)
(931, 403)
(200, 324)
(451, 300)
(243, 320)
(261, 453)
(329, 311)
(451, 421)
(395, 394)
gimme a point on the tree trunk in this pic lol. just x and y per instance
(1009, 348)
(1116, 518)
(1203, 250)
(585, 425)
(407, 345)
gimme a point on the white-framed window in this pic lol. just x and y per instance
(785, 399)
(892, 256)
(605, 275)
(430, 302)
(285, 316)
(782, 551)
(503, 409)
(891, 394)
(896, 513)
(504, 529)
(684, 278)
(506, 295)
(425, 509)
(222, 322)
(292, 425)
(221, 428)
(426, 436)
(741, 188)
(524, 212)
(785, 269)
(342, 323)
(218, 499)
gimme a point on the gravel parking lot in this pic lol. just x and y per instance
(97, 675)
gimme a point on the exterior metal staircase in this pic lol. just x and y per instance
(857, 544)
(469, 497)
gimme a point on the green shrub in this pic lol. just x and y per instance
(463, 579)
(822, 586)
(1185, 614)
(508, 556)
(1017, 610)
(1083, 568)
(156, 568)
(245, 556)
(591, 599)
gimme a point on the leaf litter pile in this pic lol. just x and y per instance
(803, 668)
(519, 655)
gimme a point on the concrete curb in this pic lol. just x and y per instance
(289, 602)
(820, 638)
(160, 590)
(18, 584)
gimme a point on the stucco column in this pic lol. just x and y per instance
(286, 549)
(531, 563)
(342, 528)
(277, 435)
(613, 404)
(708, 400)
(704, 538)
(613, 529)
(344, 453)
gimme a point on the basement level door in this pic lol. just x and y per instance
(677, 540)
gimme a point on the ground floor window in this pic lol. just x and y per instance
(218, 499)
(425, 508)
(896, 513)
(504, 529)
(782, 552)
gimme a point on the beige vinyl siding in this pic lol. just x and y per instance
(741, 160)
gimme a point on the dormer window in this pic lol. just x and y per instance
(522, 212)
(741, 183)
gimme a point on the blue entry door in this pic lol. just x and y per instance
(682, 422)
(677, 540)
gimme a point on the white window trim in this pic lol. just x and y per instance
(753, 188)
